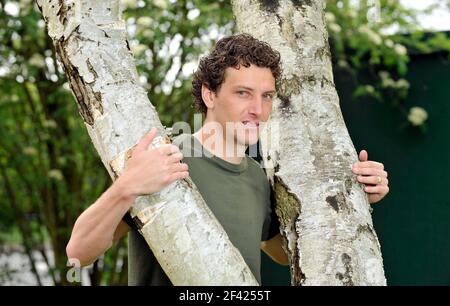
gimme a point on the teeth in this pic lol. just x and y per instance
(253, 124)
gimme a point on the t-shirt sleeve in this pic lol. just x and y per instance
(271, 226)
(129, 221)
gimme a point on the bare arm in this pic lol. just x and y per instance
(100, 225)
(273, 248)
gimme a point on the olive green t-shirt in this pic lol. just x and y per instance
(237, 194)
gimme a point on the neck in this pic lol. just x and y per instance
(220, 145)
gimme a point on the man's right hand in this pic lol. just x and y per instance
(150, 170)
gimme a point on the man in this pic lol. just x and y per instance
(234, 88)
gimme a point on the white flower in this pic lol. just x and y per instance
(400, 49)
(129, 4)
(352, 13)
(330, 17)
(55, 174)
(374, 37)
(388, 82)
(383, 74)
(144, 21)
(369, 89)
(66, 86)
(31, 151)
(51, 124)
(148, 33)
(389, 43)
(138, 49)
(24, 3)
(417, 115)
(335, 27)
(62, 161)
(363, 29)
(37, 60)
(342, 63)
(160, 3)
(402, 83)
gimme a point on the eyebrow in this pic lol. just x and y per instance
(251, 89)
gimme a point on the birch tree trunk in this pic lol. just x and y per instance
(90, 41)
(323, 211)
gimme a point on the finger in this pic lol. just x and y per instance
(178, 176)
(373, 180)
(179, 167)
(145, 141)
(377, 189)
(370, 171)
(363, 155)
(369, 164)
(169, 149)
(175, 157)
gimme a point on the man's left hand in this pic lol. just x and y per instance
(373, 175)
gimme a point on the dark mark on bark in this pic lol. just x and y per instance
(348, 185)
(288, 208)
(285, 102)
(88, 100)
(324, 81)
(290, 87)
(301, 3)
(312, 25)
(280, 21)
(271, 6)
(139, 223)
(285, 106)
(337, 202)
(310, 79)
(91, 69)
(333, 202)
(346, 278)
(365, 228)
(98, 97)
(322, 53)
(113, 171)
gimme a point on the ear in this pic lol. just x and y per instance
(208, 97)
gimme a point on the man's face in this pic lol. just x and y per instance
(244, 102)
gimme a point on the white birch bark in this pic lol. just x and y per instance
(323, 210)
(90, 41)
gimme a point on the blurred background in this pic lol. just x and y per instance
(392, 73)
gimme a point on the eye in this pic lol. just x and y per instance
(242, 94)
(268, 97)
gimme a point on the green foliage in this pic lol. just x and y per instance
(49, 170)
(167, 38)
(362, 43)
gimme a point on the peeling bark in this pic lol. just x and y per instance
(90, 42)
(323, 210)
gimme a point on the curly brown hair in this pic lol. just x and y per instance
(232, 51)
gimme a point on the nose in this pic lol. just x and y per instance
(256, 106)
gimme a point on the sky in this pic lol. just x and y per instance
(439, 20)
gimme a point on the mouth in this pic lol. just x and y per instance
(251, 124)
